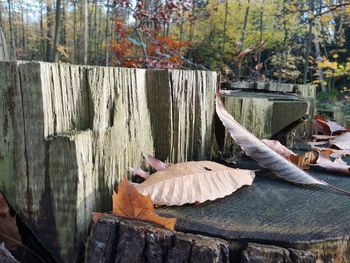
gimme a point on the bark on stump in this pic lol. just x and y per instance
(69, 133)
(123, 240)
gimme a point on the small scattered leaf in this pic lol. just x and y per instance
(279, 148)
(96, 216)
(259, 66)
(192, 182)
(317, 143)
(139, 172)
(326, 127)
(155, 163)
(303, 161)
(338, 165)
(342, 141)
(129, 203)
(243, 53)
(321, 137)
(8, 228)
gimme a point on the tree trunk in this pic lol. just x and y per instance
(106, 36)
(23, 38)
(261, 28)
(75, 55)
(49, 41)
(245, 22)
(13, 40)
(242, 39)
(307, 55)
(225, 28)
(42, 33)
(3, 46)
(57, 31)
(85, 39)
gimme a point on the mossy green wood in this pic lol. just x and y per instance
(181, 106)
(69, 133)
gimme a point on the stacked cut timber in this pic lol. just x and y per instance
(69, 133)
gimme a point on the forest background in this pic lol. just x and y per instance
(295, 41)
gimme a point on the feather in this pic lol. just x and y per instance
(263, 154)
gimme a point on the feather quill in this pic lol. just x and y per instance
(263, 154)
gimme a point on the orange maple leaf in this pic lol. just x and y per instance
(129, 203)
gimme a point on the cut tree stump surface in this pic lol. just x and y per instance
(276, 212)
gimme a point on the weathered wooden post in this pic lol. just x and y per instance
(69, 133)
(181, 105)
(267, 109)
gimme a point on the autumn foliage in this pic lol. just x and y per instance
(145, 43)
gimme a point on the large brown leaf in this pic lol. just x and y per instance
(192, 182)
(8, 228)
(260, 152)
(128, 202)
(342, 141)
(338, 165)
(327, 127)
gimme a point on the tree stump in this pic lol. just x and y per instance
(276, 212)
(123, 240)
(69, 133)
(268, 114)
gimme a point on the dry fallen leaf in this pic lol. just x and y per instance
(139, 172)
(342, 141)
(95, 216)
(192, 182)
(279, 148)
(128, 202)
(335, 153)
(326, 127)
(303, 161)
(8, 228)
(338, 165)
(317, 143)
(155, 163)
(321, 137)
(260, 152)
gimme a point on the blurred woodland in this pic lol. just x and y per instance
(295, 41)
